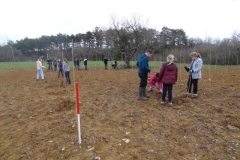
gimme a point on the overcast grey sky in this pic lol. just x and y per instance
(198, 18)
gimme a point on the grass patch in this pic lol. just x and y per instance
(4, 66)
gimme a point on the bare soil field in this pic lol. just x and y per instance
(38, 118)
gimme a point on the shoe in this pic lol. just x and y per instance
(160, 91)
(142, 98)
(170, 103)
(194, 95)
(187, 94)
(150, 89)
(162, 102)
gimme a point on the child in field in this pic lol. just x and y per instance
(153, 81)
(195, 73)
(66, 70)
(168, 76)
(113, 64)
(40, 69)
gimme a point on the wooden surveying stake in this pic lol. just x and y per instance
(78, 112)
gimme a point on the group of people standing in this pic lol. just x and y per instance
(167, 76)
(63, 68)
(77, 63)
(113, 63)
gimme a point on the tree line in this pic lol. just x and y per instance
(124, 40)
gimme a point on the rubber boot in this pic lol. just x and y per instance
(140, 94)
(145, 93)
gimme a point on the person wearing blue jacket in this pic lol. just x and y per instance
(195, 73)
(75, 63)
(143, 70)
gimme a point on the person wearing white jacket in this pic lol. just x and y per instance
(195, 73)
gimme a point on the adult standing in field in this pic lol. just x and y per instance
(168, 76)
(78, 63)
(143, 70)
(60, 68)
(66, 70)
(40, 69)
(105, 61)
(75, 63)
(85, 64)
(49, 61)
(55, 64)
(195, 73)
(115, 66)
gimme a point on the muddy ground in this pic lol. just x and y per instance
(38, 118)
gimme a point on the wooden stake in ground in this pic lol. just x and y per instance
(62, 72)
(209, 66)
(73, 61)
(180, 65)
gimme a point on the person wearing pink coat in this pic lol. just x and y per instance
(153, 81)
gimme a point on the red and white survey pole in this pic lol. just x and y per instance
(78, 112)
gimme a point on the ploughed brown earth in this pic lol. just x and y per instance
(38, 118)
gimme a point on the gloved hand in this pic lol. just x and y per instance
(186, 68)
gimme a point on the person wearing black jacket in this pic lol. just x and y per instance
(105, 61)
(115, 66)
(85, 64)
(77, 63)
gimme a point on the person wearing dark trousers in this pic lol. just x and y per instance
(85, 64)
(77, 63)
(168, 76)
(60, 66)
(66, 70)
(115, 66)
(105, 61)
(195, 74)
(143, 70)
(50, 63)
(55, 64)
(194, 83)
